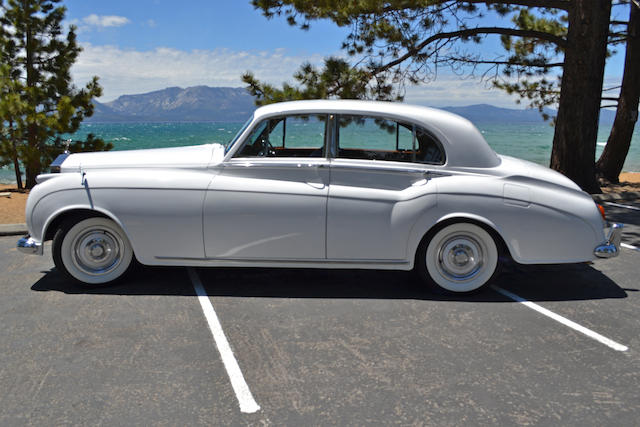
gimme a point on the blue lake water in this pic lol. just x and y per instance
(529, 141)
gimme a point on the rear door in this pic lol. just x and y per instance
(380, 185)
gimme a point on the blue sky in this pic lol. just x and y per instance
(200, 24)
(137, 46)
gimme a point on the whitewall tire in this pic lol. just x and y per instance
(92, 251)
(459, 258)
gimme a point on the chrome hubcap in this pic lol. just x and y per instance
(460, 258)
(96, 251)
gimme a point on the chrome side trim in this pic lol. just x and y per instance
(304, 161)
(610, 248)
(27, 245)
(387, 168)
(286, 261)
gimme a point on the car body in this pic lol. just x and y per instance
(318, 184)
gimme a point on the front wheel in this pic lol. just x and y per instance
(459, 258)
(92, 251)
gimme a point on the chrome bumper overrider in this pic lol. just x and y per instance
(611, 247)
(27, 245)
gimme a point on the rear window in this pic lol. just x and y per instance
(374, 138)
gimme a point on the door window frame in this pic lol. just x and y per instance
(332, 151)
(327, 138)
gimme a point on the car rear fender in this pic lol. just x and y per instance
(434, 220)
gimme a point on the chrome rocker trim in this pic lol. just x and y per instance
(610, 248)
(27, 245)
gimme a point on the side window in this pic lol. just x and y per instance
(428, 149)
(290, 136)
(372, 138)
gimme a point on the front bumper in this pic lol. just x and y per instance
(610, 248)
(27, 245)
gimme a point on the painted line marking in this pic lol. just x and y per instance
(243, 394)
(625, 245)
(573, 325)
(622, 206)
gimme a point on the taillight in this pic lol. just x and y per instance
(601, 209)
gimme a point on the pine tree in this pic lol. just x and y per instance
(41, 103)
(406, 41)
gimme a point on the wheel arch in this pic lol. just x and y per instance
(453, 218)
(55, 220)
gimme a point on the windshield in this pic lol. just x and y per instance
(235, 138)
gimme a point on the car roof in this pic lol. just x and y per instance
(464, 144)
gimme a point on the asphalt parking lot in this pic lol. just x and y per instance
(322, 347)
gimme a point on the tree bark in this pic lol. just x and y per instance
(615, 152)
(16, 167)
(32, 166)
(574, 141)
(16, 163)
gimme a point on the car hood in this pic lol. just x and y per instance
(177, 157)
(511, 166)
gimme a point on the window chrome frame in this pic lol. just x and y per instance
(414, 128)
(249, 131)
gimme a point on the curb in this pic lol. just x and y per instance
(610, 197)
(13, 229)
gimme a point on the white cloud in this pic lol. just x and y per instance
(105, 21)
(127, 71)
(453, 91)
(124, 71)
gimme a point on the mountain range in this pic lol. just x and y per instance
(175, 104)
(227, 104)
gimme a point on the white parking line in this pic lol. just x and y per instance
(573, 325)
(622, 206)
(240, 387)
(625, 245)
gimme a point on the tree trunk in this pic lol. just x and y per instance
(615, 152)
(576, 130)
(16, 167)
(33, 166)
(16, 163)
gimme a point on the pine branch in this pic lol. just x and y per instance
(472, 32)
(554, 4)
(512, 63)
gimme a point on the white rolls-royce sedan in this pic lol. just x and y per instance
(317, 184)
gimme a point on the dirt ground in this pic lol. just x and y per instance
(628, 182)
(12, 207)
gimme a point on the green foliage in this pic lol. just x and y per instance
(336, 80)
(398, 42)
(39, 100)
(531, 59)
(10, 106)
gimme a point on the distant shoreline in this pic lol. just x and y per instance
(157, 122)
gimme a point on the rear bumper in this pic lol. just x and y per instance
(610, 248)
(27, 245)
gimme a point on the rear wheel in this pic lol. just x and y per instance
(459, 258)
(92, 251)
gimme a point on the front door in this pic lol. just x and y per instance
(269, 201)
